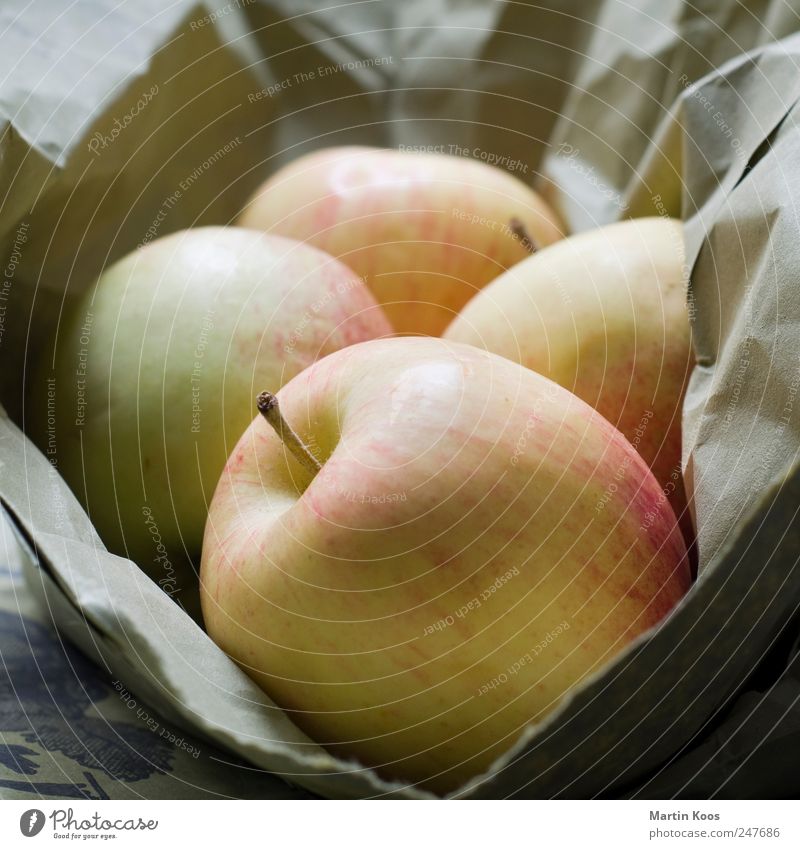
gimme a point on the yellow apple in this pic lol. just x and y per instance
(155, 368)
(426, 231)
(434, 575)
(604, 314)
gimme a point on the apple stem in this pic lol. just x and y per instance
(521, 232)
(267, 404)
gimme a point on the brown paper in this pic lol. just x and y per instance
(596, 106)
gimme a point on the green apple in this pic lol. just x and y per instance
(604, 314)
(416, 568)
(155, 369)
(425, 230)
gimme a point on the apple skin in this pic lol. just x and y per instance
(181, 331)
(445, 468)
(604, 314)
(426, 231)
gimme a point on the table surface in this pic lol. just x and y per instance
(66, 732)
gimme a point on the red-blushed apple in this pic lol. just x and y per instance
(604, 314)
(433, 573)
(155, 369)
(425, 230)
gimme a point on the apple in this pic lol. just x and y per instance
(405, 552)
(425, 230)
(154, 373)
(604, 314)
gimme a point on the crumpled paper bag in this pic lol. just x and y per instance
(605, 110)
